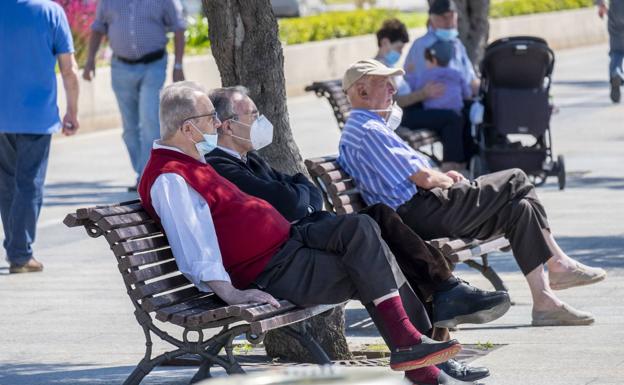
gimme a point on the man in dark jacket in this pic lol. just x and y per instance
(451, 300)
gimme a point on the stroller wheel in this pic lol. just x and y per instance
(561, 175)
(476, 167)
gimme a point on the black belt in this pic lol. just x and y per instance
(145, 59)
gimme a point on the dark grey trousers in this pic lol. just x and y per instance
(335, 260)
(501, 203)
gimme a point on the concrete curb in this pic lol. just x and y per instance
(305, 63)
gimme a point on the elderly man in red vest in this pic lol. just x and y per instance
(243, 250)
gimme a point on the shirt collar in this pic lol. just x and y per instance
(157, 145)
(368, 113)
(229, 151)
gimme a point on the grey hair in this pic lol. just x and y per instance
(178, 102)
(221, 99)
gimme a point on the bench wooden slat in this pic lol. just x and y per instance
(139, 245)
(341, 187)
(193, 317)
(478, 249)
(142, 275)
(98, 213)
(198, 304)
(160, 286)
(347, 199)
(169, 299)
(84, 213)
(126, 233)
(349, 209)
(264, 311)
(137, 260)
(71, 220)
(262, 326)
(126, 220)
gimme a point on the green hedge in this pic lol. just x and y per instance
(506, 8)
(361, 22)
(341, 24)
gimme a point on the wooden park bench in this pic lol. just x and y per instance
(160, 292)
(342, 197)
(420, 139)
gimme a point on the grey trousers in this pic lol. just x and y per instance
(501, 203)
(335, 260)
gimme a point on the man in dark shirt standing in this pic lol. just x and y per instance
(243, 130)
(136, 31)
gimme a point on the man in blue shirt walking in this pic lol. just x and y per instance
(34, 36)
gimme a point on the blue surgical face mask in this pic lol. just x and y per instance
(391, 58)
(208, 144)
(446, 34)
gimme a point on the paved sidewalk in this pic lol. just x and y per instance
(73, 324)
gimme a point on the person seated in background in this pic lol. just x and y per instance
(245, 251)
(391, 39)
(442, 27)
(243, 130)
(435, 204)
(456, 90)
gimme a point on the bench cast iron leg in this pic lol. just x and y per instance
(488, 273)
(308, 342)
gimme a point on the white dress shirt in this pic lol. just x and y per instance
(187, 221)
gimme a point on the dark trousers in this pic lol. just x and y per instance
(424, 267)
(23, 165)
(449, 125)
(502, 203)
(335, 260)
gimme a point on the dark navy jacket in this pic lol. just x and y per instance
(295, 197)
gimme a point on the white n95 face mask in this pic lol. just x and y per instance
(261, 132)
(396, 115)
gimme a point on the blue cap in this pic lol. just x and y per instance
(443, 51)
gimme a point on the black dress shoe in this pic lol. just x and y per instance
(445, 379)
(467, 304)
(460, 371)
(426, 353)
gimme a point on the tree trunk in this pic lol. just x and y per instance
(245, 44)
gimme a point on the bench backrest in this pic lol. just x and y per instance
(150, 273)
(340, 193)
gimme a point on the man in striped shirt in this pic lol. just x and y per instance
(436, 204)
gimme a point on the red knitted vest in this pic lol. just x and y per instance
(249, 229)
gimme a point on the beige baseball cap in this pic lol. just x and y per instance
(367, 67)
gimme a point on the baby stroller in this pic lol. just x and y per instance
(515, 128)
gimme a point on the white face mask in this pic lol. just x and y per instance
(261, 132)
(208, 144)
(393, 121)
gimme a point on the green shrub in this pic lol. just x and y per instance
(334, 25)
(506, 8)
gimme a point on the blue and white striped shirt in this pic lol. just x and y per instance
(378, 159)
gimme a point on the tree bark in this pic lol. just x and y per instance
(245, 44)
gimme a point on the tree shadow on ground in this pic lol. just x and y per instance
(582, 83)
(66, 374)
(606, 252)
(85, 193)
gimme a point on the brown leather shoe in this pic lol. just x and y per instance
(32, 266)
(581, 275)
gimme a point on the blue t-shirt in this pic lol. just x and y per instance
(456, 89)
(32, 33)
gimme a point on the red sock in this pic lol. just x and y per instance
(428, 375)
(400, 329)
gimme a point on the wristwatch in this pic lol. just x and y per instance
(177, 66)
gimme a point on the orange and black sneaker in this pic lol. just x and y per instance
(426, 353)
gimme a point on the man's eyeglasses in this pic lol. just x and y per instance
(214, 117)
